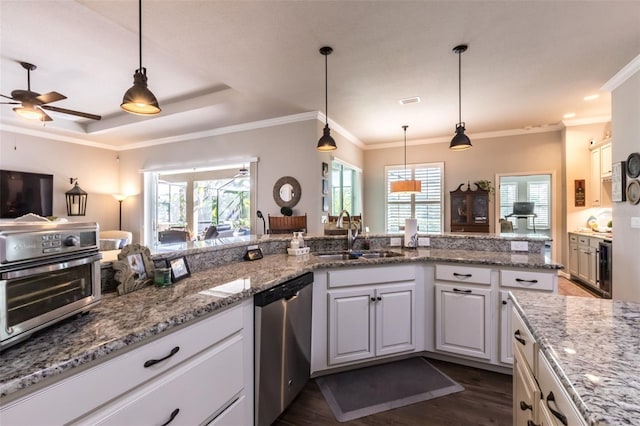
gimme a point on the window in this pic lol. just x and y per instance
(508, 196)
(345, 189)
(538, 193)
(171, 206)
(426, 207)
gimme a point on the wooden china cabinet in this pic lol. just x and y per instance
(469, 209)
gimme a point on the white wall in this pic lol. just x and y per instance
(95, 168)
(625, 127)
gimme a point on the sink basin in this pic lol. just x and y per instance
(356, 255)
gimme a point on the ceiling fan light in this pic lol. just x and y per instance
(138, 99)
(460, 141)
(326, 142)
(30, 113)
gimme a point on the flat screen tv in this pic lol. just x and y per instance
(24, 192)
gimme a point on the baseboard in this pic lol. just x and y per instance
(564, 275)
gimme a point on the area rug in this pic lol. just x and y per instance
(365, 391)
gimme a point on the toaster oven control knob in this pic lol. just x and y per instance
(71, 241)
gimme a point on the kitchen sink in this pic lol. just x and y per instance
(357, 255)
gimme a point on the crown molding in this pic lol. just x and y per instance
(623, 75)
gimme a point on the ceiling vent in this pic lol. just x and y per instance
(412, 100)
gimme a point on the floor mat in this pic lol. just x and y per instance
(370, 390)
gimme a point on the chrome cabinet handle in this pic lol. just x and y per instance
(173, 415)
(155, 361)
(556, 413)
(516, 336)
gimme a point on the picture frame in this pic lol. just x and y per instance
(325, 186)
(325, 169)
(179, 268)
(618, 182)
(134, 268)
(325, 204)
(579, 188)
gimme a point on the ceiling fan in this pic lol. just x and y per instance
(33, 103)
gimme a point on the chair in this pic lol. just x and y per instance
(212, 232)
(524, 210)
(114, 239)
(171, 236)
(287, 224)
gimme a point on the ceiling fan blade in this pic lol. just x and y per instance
(47, 98)
(45, 117)
(71, 112)
(10, 103)
(8, 97)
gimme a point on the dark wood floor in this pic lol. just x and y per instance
(486, 399)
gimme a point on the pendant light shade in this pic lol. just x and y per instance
(326, 142)
(409, 185)
(139, 99)
(460, 141)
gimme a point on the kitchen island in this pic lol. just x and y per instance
(592, 347)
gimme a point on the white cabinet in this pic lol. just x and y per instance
(463, 320)
(573, 254)
(556, 407)
(525, 392)
(595, 182)
(587, 270)
(506, 347)
(200, 370)
(605, 161)
(371, 321)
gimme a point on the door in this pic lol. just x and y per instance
(463, 320)
(351, 325)
(506, 342)
(395, 319)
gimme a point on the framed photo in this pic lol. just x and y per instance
(325, 204)
(179, 268)
(325, 186)
(579, 193)
(325, 169)
(134, 268)
(618, 182)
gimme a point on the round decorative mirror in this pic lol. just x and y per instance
(287, 192)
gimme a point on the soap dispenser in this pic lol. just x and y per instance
(300, 240)
(295, 242)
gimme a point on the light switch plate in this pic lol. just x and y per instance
(519, 246)
(394, 242)
(424, 242)
(635, 222)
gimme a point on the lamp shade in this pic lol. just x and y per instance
(460, 141)
(31, 113)
(76, 200)
(139, 99)
(326, 142)
(406, 186)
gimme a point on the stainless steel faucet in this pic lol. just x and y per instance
(351, 236)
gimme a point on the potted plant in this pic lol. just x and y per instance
(486, 185)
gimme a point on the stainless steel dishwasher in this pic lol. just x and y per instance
(282, 346)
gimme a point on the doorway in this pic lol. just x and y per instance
(525, 206)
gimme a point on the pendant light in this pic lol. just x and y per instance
(138, 99)
(460, 141)
(409, 185)
(326, 142)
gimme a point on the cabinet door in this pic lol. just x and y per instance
(593, 261)
(395, 319)
(595, 186)
(573, 259)
(605, 161)
(584, 256)
(525, 392)
(506, 344)
(463, 320)
(351, 325)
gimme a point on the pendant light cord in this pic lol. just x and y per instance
(326, 91)
(405, 149)
(459, 86)
(140, 32)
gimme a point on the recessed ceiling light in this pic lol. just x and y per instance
(591, 97)
(412, 100)
(569, 115)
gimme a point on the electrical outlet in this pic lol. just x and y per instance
(424, 242)
(394, 242)
(635, 222)
(519, 246)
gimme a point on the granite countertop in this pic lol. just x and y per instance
(607, 236)
(121, 321)
(592, 345)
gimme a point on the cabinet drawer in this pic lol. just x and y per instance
(112, 378)
(554, 398)
(583, 240)
(523, 340)
(573, 238)
(463, 274)
(527, 280)
(365, 276)
(191, 393)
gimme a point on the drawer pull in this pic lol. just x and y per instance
(455, 274)
(155, 361)
(457, 290)
(524, 406)
(520, 280)
(516, 336)
(558, 414)
(174, 413)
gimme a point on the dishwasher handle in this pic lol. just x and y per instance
(287, 290)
